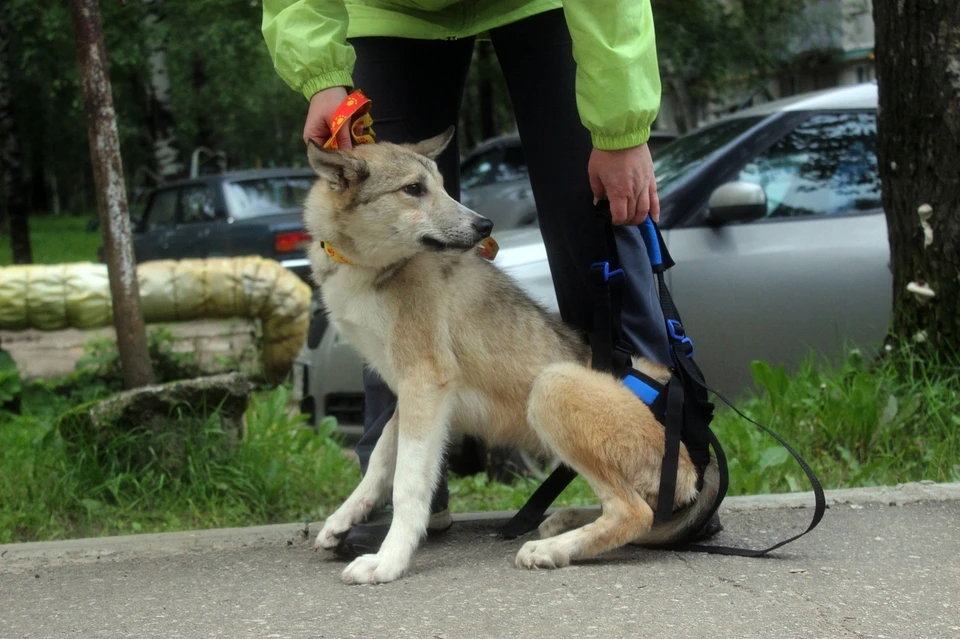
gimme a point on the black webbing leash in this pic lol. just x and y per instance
(683, 409)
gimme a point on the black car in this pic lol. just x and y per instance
(233, 214)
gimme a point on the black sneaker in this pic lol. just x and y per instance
(366, 538)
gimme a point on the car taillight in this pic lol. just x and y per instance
(289, 242)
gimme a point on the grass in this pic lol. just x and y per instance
(57, 240)
(857, 425)
(862, 423)
(280, 472)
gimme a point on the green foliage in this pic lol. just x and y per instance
(861, 424)
(711, 51)
(10, 382)
(280, 471)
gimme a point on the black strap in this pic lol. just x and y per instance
(531, 515)
(820, 499)
(673, 427)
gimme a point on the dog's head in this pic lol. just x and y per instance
(382, 203)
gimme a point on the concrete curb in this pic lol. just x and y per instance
(13, 556)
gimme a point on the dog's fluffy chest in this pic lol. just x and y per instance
(361, 315)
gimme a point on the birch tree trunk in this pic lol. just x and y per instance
(114, 215)
(918, 73)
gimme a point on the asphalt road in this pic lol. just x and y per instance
(880, 565)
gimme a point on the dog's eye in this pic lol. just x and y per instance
(415, 189)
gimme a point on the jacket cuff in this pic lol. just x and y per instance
(622, 141)
(333, 79)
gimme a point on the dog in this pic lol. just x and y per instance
(462, 345)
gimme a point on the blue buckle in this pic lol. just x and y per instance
(607, 273)
(675, 329)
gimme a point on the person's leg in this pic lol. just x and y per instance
(536, 56)
(416, 87)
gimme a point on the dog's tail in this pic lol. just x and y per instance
(688, 522)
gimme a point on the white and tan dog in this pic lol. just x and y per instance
(463, 346)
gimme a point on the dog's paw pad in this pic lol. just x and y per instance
(536, 554)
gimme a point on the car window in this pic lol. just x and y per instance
(825, 166)
(513, 165)
(196, 204)
(266, 196)
(679, 158)
(163, 208)
(480, 169)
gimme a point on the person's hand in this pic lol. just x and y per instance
(322, 106)
(625, 177)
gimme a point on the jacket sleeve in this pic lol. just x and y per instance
(618, 79)
(307, 40)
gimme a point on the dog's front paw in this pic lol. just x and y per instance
(333, 529)
(371, 569)
(541, 554)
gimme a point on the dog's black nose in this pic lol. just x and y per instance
(483, 226)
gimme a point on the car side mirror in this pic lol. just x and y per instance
(736, 202)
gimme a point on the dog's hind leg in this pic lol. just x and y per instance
(625, 516)
(372, 490)
(567, 519)
(424, 419)
(598, 429)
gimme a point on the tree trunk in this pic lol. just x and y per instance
(166, 150)
(918, 73)
(53, 191)
(111, 194)
(684, 118)
(11, 168)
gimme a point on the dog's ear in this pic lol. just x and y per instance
(433, 147)
(337, 167)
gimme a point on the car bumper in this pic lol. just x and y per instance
(300, 266)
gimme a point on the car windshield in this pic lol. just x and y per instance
(266, 196)
(688, 152)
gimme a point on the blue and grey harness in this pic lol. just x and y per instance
(681, 405)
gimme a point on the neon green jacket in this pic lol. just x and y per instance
(618, 80)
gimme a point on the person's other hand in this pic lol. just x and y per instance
(625, 177)
(317, 127)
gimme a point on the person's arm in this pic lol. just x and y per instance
(618, 78)
(618, 98)
(307, 40)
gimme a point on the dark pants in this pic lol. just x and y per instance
(417, 86)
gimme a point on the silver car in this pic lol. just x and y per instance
(494, 182)
(773, 216)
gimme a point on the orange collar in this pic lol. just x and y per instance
(356, 110)
(334, 254)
